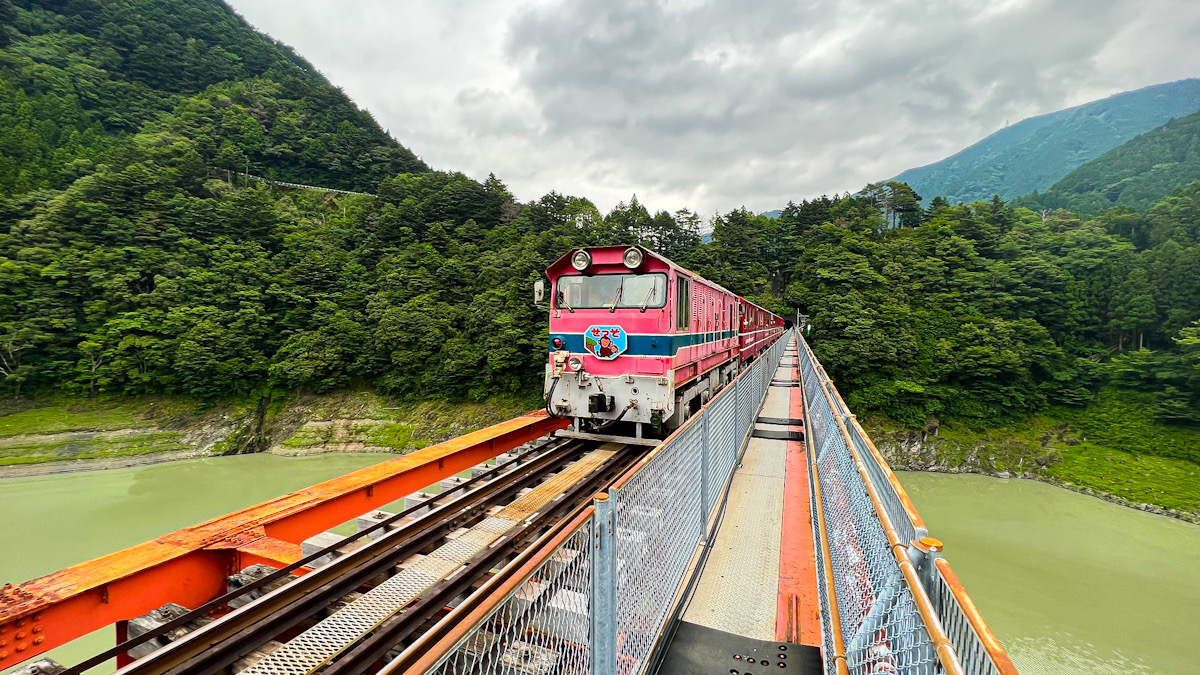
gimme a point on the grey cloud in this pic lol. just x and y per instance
(718, 104)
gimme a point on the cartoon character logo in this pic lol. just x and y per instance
(606, 342)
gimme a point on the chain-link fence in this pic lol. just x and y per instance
(598, 605)
(960, 628)
(881, 627)
(544, 626)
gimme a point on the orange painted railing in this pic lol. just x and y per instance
(938, 595)
(190, 567)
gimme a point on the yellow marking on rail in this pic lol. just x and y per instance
(541, 495)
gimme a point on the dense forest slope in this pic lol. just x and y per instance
(1036, 152)
(80, 78)
(1136, 174)
(132, 264)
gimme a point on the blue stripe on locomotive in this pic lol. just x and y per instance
(645, 345)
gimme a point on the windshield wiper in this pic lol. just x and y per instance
(562, 301)
(617, 298)
(649, 295)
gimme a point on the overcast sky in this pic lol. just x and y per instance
(720, 104)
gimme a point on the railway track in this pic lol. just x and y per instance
(364, 607)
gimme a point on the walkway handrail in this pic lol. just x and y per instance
(898, 549)
(985, 647)
(952, 625)
(834, 641)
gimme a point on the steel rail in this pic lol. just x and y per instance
(286, 571)
(400, 627)
(220, 643)
(457, 513)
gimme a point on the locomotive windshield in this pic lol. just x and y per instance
(606, 291)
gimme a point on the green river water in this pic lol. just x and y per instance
(1071, 584)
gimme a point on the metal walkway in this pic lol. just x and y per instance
(739, 583)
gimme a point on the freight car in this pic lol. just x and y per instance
(637, 343)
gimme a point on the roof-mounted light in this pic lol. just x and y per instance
(633, 258)
(581, 260)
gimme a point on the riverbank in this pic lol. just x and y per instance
(41, 437)
(1071, 449)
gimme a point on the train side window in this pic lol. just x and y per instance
(683, 305)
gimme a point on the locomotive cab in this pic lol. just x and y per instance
(636, 343)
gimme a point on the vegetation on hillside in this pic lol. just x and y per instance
(132, 264)
(1036, 152)
(1136, 174)
(84, 84)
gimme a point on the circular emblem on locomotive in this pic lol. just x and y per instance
(606, 342)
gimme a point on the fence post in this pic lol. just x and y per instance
(737, 414)
(604, 586)
(924, 553)
(705, 472)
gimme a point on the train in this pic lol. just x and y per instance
(637, 344)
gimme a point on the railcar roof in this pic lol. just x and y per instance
(565, 260)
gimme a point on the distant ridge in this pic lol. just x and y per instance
(1136, 174)
(1036, 152)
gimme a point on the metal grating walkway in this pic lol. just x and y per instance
(738, 588)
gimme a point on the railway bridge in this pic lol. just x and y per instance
(765, 535)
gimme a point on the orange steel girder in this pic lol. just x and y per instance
(190, 566)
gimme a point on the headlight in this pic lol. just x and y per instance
(632, 258)
(581, 260)
(575, 363)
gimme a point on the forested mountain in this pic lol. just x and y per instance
(1036, 152)
(984, 311)
(129, 266)
(1136, 174)
(85, 83)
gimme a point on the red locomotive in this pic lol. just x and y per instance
(638, 344)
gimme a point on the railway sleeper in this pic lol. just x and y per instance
(255, 656)
(44, 666)
(522, 657)
(418, 499)
(250, 575)
(323, 540)
(145, 623)
(368, 520)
